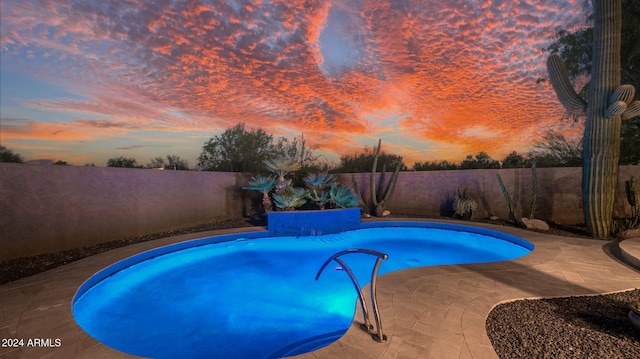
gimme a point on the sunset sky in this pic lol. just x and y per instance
(87, 80)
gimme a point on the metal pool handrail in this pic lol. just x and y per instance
(366, 326)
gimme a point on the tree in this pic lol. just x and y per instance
(236, 150)
(434, 166)
(240, 150)
(7, 155)
(122, 162)
(515, 160)
(363, 162)
(173, 162)
(61, 163)
(554, 150)
(607, 105)
(482, 160)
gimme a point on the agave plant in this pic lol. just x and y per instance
(263, 185)
(290, 198)
(342, 197)
(319, 180)
(319, 196)
(318, 185)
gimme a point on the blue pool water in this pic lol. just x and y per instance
(242, 296)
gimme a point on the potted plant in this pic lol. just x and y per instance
(290, 198)
(463, 205)
(320, 188)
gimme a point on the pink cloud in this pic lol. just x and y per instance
(440, 68)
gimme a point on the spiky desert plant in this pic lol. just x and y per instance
(290, 198)
(281, 167)
(319, 180)
(379, 195)
(463, 203)
(534, 189)
(264, 185)
(319, 196)
(608, 103)
(633, 196)
(318, 188)
(342, 197)
(507, 196)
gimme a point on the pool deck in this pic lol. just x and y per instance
(427, 312)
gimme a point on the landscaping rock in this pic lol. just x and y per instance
(537, 224)
(629, 233)
(570, 327)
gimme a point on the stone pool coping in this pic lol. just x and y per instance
(427, 312)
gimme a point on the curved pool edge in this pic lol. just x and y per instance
(40, 305)
(207, 240)
(213, 239)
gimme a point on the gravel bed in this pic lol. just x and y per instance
(15, 269)
(572, 327)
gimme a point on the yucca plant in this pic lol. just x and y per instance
(319, 180)
(319, 196)
(342, 197)
(290, 198)
(282, 166)
(318, 186)
(463, 205)
(264, 185)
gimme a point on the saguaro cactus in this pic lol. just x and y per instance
(607, 105)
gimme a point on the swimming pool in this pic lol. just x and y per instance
(251, 296)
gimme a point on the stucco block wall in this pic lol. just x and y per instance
(48, 208)
(45, 208)
(559, 200)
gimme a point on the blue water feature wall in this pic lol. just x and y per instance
(312, 223)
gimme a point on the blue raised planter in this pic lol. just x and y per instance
(312, 223)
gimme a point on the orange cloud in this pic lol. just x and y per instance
(439, 79)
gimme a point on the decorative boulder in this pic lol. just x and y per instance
(629, 233)
(536, 224)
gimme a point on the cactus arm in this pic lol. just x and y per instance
(623, 93)
(364, 207)
(633, 197)
(372, 183)
(562, 85)
(633, 110)
(621, 99)
(616, 109)
(392, 183)
(383, 174)
(534, 189)
(512, 208)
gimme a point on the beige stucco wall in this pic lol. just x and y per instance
(45, 208)
(559, 192)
